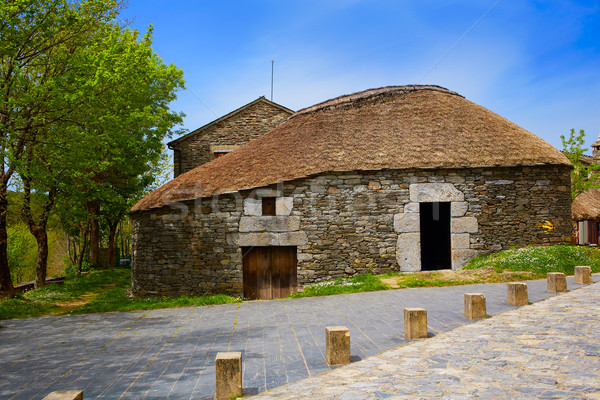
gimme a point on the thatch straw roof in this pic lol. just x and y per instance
(586, 206)
(394, 127)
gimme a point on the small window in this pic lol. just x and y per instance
(268, 206)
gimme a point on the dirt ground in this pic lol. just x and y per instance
(461, 276)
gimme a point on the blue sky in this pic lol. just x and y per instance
(536, 63)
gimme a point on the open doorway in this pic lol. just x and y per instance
(435, 236)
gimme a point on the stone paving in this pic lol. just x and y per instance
(548, 350)
(170, 353)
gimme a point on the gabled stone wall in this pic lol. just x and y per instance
(347, 223)
(227, 134)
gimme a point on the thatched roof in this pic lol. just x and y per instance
(586, 206)
(394, 127)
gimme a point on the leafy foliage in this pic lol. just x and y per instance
(106, 290)
(583, 176)
(21, 253)
(84, 108)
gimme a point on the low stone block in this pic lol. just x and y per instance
(228, 368)
(415, 323)
(464, 225)
(556, 282)
(517, 294)
(406, 222)
(284, 205)
(434, 192)
(458, 208)
(337, 345)
(475, 305)
(461, 241)
(269, 224)
(253, 207)
(461, 256)
(408, 251)
(65, 395)
(583, 275)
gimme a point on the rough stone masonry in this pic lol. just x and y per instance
(346, 223)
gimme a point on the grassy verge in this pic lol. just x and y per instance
(104, 291)
(360, 283)
(540, 260)
(98, 291)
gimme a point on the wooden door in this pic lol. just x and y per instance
(269, 272)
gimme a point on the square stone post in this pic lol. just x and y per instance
(583, 275)
(517, 294)
(65, 395)
(337, 345)
(415, 323)
(556, 282)
(228, 368)
(475, 305)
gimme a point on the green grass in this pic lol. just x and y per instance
(104, 289)
(360, 283)
(415, 280)
(540, 260)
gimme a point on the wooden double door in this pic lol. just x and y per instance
(269, 272)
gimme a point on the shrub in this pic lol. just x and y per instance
(21, 253)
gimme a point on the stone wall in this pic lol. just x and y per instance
(226, 134)
(347, 223)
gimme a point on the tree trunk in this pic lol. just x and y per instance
(84, 235)
(112, 257)
(7, 290)
(93, 208)
(41, 262)
(38, 230)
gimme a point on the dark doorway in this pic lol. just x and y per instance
(269, 272)
(435, 236)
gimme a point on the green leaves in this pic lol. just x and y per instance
(583, 176)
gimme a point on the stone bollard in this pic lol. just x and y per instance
(556, 282)
(517, 294)
(415, 323)
(228, 368)
(475, 305)
(337, 345)
(583, 275)
(65, 395)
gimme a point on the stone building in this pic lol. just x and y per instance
(586, 207)
(403, 178)
(226, 134)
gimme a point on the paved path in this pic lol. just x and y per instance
(548, 350)
(170, 353)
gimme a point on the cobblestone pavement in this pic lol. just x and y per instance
(548, 350)
(170, 353)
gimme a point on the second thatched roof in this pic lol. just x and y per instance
(586, 206)
(396, 127)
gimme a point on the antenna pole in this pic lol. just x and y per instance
(272, 67)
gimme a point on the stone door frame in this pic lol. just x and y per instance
(407, 225)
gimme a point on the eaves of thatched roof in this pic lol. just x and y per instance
(396, 127)
(586, 206)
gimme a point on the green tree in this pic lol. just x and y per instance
(84, 106)
(583, 176)
(31, 95)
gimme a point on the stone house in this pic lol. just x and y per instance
(586, 207)
(226, 134)
(403, 178)
(586, 217)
